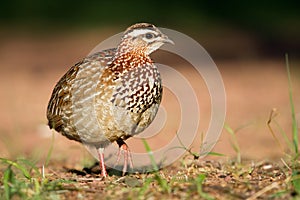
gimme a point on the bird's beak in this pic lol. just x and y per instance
(165, 39)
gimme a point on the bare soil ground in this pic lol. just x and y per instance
(222, 181)
(31, 65)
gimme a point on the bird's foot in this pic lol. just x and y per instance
(127, 157)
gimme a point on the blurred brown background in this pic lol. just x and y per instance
(40, 40)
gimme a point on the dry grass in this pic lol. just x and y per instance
(185, 179)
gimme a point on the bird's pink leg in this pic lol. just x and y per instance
(101, 162)
(127, 156)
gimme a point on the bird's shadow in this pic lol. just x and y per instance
(95, 170)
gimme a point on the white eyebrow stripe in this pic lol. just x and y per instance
(138, 32)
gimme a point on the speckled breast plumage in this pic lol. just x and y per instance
(104, 98)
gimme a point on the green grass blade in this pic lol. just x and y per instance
(296, 181)
(150, 153)
(196, 156)
(37, 186)
(30, 164)
(24, 171)
(50, 150)
(199, 182)
(294, 121)
(8, 178)
(216, 154)
(163, 183)
(284, 135)
(234, 143)
(146, 185)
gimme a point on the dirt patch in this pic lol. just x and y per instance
(185, 179)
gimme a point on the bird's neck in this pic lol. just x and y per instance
(124, 61)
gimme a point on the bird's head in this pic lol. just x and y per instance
(143, 38)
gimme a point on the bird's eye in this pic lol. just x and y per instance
(149, 35)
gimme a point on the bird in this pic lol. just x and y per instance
(110, 95)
